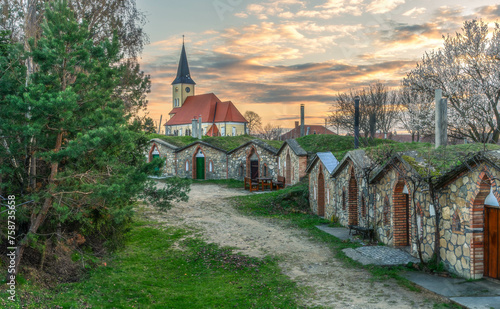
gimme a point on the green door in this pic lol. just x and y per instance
(200, 168)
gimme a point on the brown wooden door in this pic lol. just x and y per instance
(288, 174)
(254, 169)
(321, 195)
(492, 242)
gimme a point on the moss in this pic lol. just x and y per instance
(226, 143)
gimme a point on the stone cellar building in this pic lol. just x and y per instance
(253, 159)
(292, 162)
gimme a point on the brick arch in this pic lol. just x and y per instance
(401, 214)
(193, 162)
(477, 225)
(150, 155)
(321, 192)
(353, 199)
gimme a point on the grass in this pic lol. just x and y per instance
(338, 145)
(226, 143)
(151, 272)
(292, 206)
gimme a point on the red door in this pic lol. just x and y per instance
(492, 242)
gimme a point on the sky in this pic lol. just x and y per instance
(271, 56)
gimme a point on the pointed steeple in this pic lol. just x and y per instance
(183, 75)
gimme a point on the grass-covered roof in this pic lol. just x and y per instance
(338, 145)
(226, 143)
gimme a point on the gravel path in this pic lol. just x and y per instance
(304, 260)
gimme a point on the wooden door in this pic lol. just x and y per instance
(492, 242)
(321, 195)
(254, 169)
(200, 168)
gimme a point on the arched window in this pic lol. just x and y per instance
(344, 202)
(180, 132)
(328, 195)
(241, 170)
(187, 165)
(264, 170)
(420, 225)
(456, 223)
(386, 211)
(315, 196)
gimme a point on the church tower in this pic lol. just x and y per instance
(183, 85)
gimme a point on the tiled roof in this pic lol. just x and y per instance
(313, 129)
(213, 131)
(358, 157)
(174, 111)
(183, 74)
(209, 107)
(328, 160)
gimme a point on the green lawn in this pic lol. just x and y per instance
(150, 273)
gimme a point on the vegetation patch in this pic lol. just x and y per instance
(150, 272)
(226, 143)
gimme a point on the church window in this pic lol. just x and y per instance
(180, 132)
(234, 131)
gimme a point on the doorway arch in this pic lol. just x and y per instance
(353, 199)
(401, 214)
(199, 164)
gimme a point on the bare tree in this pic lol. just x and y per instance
(342, 112)
(254, 121)
(466, 69)
(271, 132)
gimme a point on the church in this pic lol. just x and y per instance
(217, 118)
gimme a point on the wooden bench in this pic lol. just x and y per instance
(280, 183)
(366, 232)
(248, 183)
(254, 185)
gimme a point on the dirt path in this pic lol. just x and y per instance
(305, 261)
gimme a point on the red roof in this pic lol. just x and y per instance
(313, 129)
(213, 131)
(174, 111)
(209, 107)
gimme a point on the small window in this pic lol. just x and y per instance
(386, 211)
(363, 207)
(343, 199)
(223, 131)
(187, 166)
(328, 196)
(315, 193)
(241, 170)
(420, 227)
(180, 132)
(456, 223)
(210, 166)
(234, 131)
(264, 170)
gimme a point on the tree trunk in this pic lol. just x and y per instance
(38, 218)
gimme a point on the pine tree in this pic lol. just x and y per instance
(90, 163)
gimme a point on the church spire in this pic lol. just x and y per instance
(183, 75)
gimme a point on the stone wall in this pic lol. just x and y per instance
(297, 168)
(217, 157)
(168, 154)
(391, 220)
(314, 187)
(462, 225)
(239, 164)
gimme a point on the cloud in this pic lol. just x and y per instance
(415, 12)
(383, 6)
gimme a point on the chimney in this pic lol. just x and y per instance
(356, 122)
(308, 128)
(194, 132)
(301, 120)
(441, 135)
(200, 130)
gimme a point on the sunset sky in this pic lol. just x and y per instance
(271, 56)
